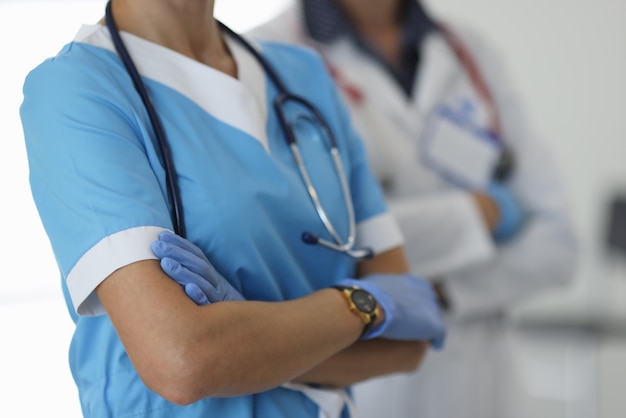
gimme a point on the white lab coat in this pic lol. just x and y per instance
(475, 375)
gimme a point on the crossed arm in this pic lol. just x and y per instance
(186, 352)
(370, 358)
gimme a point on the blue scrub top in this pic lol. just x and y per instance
(99, 186)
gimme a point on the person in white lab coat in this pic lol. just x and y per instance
(478, 197)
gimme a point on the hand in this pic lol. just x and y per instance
(510, 214)
(188, 266)
(501, 212)
(410, 307)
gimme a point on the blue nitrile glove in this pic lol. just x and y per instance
(188, 266)
(410, 305)
(511, 214)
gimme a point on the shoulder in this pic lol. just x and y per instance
(80, 76)
(286, 26)
(482, 49)
(293, 53)
(84, 56)
(55, 70)
(296, 64)
(489, 59)
(77, 70)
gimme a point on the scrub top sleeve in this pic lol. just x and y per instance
(91, 174)
(377, 229)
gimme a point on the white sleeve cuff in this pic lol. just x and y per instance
(111, 253)
(379, 233)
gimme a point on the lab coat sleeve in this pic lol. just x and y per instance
(443, 232)
(543, 255)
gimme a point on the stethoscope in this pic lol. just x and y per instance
(283, 97)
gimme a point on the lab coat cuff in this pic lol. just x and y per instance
(443, 233)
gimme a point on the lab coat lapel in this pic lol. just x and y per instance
(381, 113)
(357, 70)
(366, 75)
(437, 75)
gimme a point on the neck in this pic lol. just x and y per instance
(378, 21)
(185, 26)
(372, 15)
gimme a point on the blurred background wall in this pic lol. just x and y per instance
(568, 60)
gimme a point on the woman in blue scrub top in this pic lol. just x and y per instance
(142, 347)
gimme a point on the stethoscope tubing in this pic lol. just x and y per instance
(171, 177)
(280, 100)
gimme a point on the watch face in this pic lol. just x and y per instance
(363, 300)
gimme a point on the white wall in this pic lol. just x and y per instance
(567, 57)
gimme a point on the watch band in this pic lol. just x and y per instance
(362, 303)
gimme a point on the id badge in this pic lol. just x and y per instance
(458, 150)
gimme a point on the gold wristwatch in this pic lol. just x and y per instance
(362, 303)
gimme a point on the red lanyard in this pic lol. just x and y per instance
(478, 82)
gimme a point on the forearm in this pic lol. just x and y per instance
(369, 358)
(364, 360)
(185, 352)
(393, 261)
